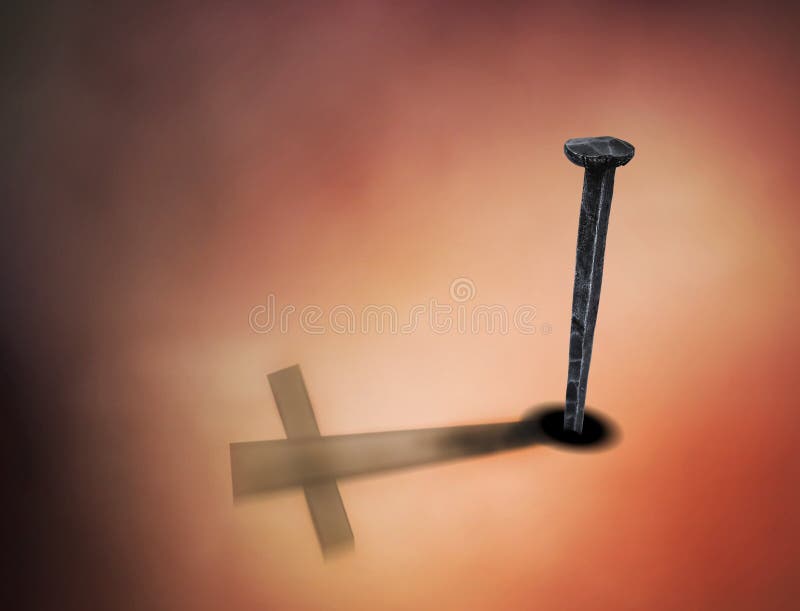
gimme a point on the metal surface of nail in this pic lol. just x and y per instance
(600, 157)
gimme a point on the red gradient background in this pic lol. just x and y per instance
(166, 168)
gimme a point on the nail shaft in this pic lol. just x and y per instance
(600, 157)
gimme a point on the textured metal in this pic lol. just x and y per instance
(600, 157)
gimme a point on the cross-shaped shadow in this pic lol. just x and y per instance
(316, 463)
(264, 466)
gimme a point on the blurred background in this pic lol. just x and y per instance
(166, 167)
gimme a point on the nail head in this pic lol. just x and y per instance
(598, 152)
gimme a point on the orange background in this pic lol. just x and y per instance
(168, 168)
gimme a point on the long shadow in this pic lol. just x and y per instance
(263, 466)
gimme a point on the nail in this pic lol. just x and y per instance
(600, 157)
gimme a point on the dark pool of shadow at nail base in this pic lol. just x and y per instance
(599, 431)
